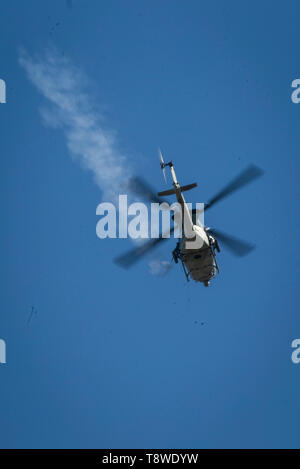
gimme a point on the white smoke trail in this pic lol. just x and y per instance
(69, 108)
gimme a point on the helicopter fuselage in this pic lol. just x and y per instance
(200, 263)
(196, 249)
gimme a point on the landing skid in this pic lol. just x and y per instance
(187, 274)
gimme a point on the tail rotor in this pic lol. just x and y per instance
(162, 165)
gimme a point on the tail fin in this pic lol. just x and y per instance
(182, 188)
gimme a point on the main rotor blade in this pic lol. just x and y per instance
(236, 246)
(135, 254)
(141, 188)
(245, 177)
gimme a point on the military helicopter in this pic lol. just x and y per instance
(198, 258)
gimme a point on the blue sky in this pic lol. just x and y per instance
(117, 358)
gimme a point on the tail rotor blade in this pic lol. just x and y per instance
(162, 165)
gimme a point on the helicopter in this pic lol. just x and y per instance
(198, 258)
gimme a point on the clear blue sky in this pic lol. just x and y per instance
(120, 359)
